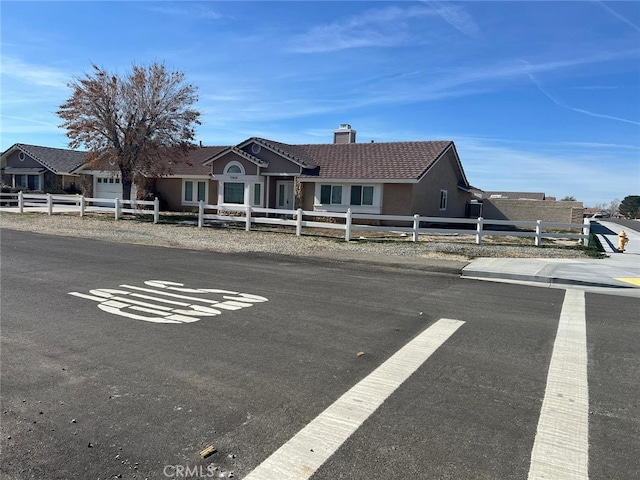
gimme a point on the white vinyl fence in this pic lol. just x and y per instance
(71, 203)
(479, 227)
(247, 215)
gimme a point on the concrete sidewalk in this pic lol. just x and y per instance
(619, 273)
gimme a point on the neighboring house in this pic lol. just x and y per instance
(396, 178)
(32, 167)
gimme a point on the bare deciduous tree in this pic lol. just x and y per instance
(142, 122)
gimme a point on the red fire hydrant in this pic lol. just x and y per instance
(622, 241)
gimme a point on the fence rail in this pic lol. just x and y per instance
(247, 215)
(83, 204)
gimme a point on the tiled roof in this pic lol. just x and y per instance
(393, 160)
(58, 160)
(390, 160)
(296, 153)
(193, 163)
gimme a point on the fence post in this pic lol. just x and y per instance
(538, 232)
(21, 201)
(82, 206)
(247, 225)
(416, 226)
(347, 229)
(299, 222)
(156, 210)
(49, 204)
(200, 214)
(116, 202)
(586, 230)
(479, 231)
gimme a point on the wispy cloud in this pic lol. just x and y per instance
(594, 87)
(458, 82)
(562, 104)
(607, 146)
(617, 15)
(374, 28)
(546, 169)
(456, 16)
(38, 75)
(255, 100)
(185, 9)
(29, 120)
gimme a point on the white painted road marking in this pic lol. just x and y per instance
(561, 446)
(301, 456)
(125, 302)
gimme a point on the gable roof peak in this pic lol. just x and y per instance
(58, 160)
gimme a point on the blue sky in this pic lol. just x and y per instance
(538, 96)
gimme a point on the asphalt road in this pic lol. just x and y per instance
(93, 387)
(623, 222)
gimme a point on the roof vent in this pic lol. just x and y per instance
(344, 134)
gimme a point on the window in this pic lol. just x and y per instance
(194, 191)
(234, 168)
(361, 195)
(331, 194)
(443, 199)
(233, 192)
(257, 194)
(30, 182)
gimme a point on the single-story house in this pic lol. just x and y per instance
(42, 168)
(389, 178)
(394, 178)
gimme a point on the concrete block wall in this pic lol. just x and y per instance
(532, 210)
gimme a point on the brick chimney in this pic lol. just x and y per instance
(344, 134)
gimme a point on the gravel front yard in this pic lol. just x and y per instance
(451, 250)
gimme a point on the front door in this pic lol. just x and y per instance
(284, 197)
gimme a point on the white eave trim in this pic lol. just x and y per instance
(440, 157)
(25, 170)
(205, 176)
(112, 173)
(263, 144)
(237, 151)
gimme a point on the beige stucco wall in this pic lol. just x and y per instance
(532, 210)
(397, 199)
(219, 165)
(169, 191)
(277, 164)
(308, 192)
(442, 176)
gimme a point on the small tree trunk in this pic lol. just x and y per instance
(126, 189)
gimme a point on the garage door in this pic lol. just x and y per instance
(108, 187)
